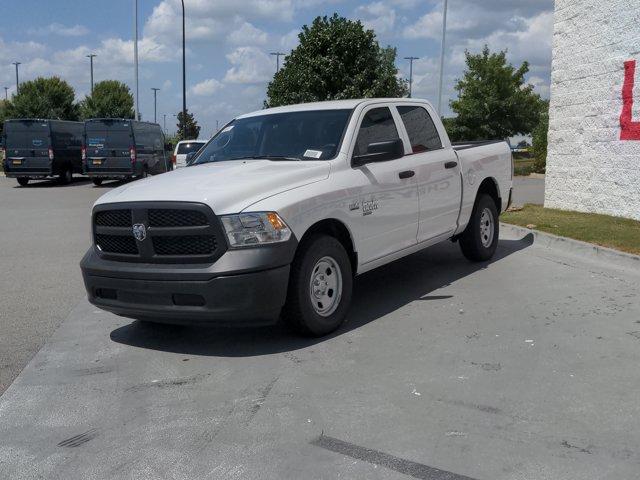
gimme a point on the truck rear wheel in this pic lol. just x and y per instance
(23, 181)
(480, 239)
(320, 287)
(97, 181)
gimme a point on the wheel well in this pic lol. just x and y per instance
(489, 187)
(338, 230)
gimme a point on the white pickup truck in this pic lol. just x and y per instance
(284, 207)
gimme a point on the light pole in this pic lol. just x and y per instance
(6, 94)
(164, 123)
(135, 57)
(444, 33)
(155, 92)
(277, 55)
(184, 73)
(411, 59)
(17, 79)
(90, 57)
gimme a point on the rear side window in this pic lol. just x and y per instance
(186, 148)
(377, 126)
(420, 128)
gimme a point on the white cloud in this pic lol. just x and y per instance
(247, 34)
(206, 87)
(250, 65)
(59, 29)
(377, 16)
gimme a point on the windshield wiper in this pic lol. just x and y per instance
(274, 157)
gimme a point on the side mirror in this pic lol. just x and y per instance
(380, 152)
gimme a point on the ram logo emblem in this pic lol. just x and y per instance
(139, 231)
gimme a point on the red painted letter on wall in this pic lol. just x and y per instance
(629, 130)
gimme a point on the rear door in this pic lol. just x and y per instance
(386, 214)
(437, 172)
(28, 143)
(108, 146)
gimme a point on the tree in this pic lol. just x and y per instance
(336, 59)
(190, 130)
(4, 107)
(540, 140)
(44, 98)
(110, 99)
(493, 100)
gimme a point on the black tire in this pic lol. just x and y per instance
(23, 181)
(66, 177)
(299, 313)
(478, 245)
(97, 181)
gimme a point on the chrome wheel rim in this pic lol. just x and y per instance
(325, 286)
(487, 227)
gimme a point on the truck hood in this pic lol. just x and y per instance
(227, 187)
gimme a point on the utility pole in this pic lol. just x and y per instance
(90, 57)
(277, 55)
(6, 94)
(135, 57)
(184, 74)
(217, 126)
(155, 92)
(442, 47)
(411, 59)
(164, 123)
(17, 79)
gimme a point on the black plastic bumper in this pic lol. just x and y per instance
(247, 287)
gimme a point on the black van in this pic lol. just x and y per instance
(121, 148)
(40, 148)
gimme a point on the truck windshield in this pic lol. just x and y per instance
(311, 135)
(27, 135)
(108, 135)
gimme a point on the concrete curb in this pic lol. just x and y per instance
(577, 247)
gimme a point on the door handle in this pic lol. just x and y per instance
(406, 174)
(451, 164)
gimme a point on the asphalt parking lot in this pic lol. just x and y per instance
(521, 368)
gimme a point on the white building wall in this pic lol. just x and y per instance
(589, 168)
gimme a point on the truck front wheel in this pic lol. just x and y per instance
(480, 239)
(23, 181)
(320, 287)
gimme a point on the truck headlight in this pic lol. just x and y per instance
(255, 228)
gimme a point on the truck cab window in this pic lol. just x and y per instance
(377, 126)
(422, 132)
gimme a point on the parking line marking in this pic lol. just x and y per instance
(406, 467)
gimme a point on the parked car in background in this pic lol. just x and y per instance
(41, 148)
(183, 149)
(122, 149)
(284, 206)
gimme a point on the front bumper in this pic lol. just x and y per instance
(247, 287)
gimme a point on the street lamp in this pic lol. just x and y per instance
(155, 92)
(164, 123)
(90, 57)
(277, 55)
(411, 59)
(17, 80)
(444, 33)
(135, 57)
(184, 74)
(6, 94)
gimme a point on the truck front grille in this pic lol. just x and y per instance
(167, 232)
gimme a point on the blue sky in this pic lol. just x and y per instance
(228, 41)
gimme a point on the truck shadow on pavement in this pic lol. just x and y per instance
(376, 294)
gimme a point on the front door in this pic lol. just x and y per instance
(386, 213)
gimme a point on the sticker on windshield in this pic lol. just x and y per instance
(37, 142)
(313, 154)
